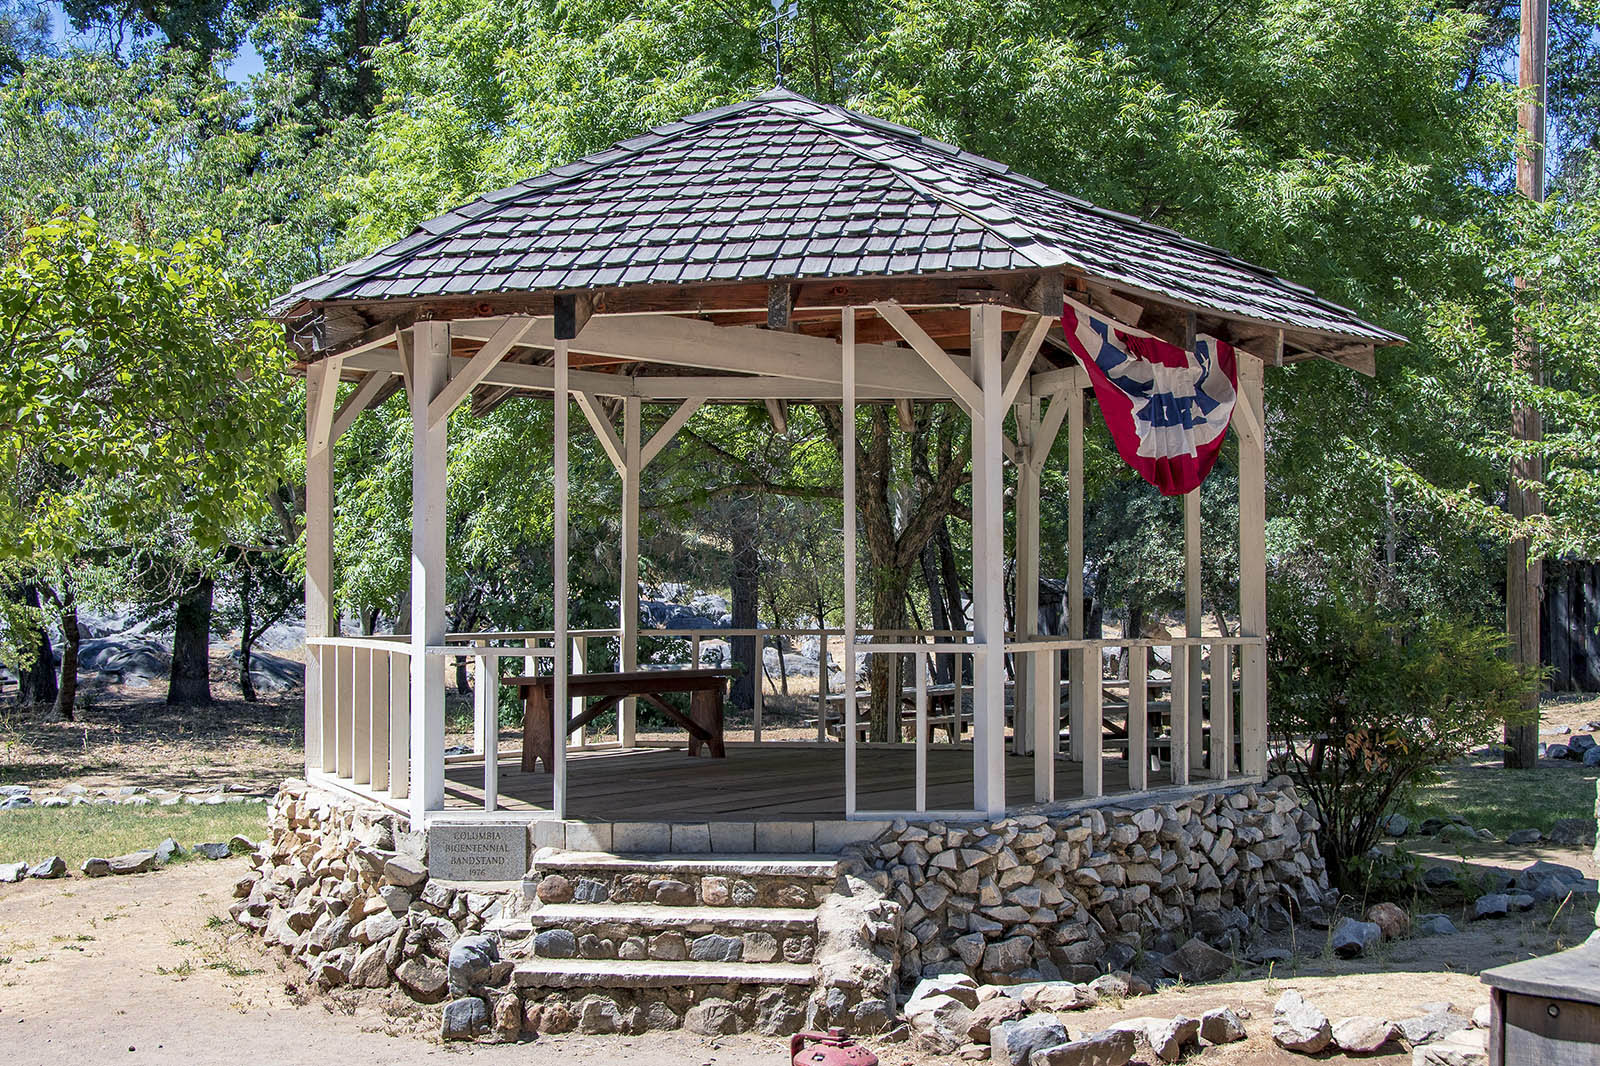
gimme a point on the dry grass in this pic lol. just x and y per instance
(77, 833)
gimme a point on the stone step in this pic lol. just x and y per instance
(639, 931)
(764, 881)
(652, 973)
(592, 917)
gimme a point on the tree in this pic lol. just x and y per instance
(138, 391)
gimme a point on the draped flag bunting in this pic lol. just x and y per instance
(1167, 409)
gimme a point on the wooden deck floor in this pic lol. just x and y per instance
(767, 781)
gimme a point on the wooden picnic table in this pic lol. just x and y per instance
(703, 722)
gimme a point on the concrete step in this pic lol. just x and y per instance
(650, 917)
(652, 973)
(672, 880)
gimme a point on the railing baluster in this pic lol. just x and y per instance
(328, 665)
(361, 714)
(1178, 714)
(378, 719)
(1193, 667)
(1094, 727)
(346, 712)
(1138, 718)
(399, 725)
(580, 665)
(1222, 711)
(921, 726)
(489, 685)
(757, 689)
(1046, 730)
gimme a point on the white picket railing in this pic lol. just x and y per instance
(359, 731)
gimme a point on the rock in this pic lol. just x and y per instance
(1298, 1026)
(555, 944)
(1363, 1034)
(464, 1019)
(1460, 1049)
(1581, 743)
(598, 1014)
(424, 977)
(1535, 872)
(1056, 996)
(1391, 919)
(1524, 836)
(168, 850)
(94, 868)
(1009, 956)
(990, 1013)
(1435, 925)
(1353, 939)
(1439, 877)
(973, 1052)
(553, 888)
(405, 871)
(1197, 961)
(1492, 905)
(1013, 1043)
(398, 899)
(714, 947)
(213, 851)
(1482, 1015)
(1397, 825)
(135, 862)
(941, 1015)
(12, 872)
(370, 969)
(472, 960)
(1163, 1038)
(241, 844)
(1109, 1047)
(712, 1017)
(48, 869)
(957, 986)
(1220, 1025)
(1436, 1022)
(1558, 751)
(1571, 831)
(1591, 757)
(16, 803)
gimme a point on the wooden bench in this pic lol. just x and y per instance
(703, 722)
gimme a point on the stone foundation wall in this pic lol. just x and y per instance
(1047, 897)
(342, 886)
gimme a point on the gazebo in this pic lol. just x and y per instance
(772, 252)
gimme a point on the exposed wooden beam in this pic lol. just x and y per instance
(1020, 356)
(494, 349)
(778, 412)
(572, 312)
(956, 376)
(603, 429)
(322, 380)
(780, 305)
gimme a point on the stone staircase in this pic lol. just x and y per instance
(627, 942)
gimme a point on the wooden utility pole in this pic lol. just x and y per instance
(1525, 575)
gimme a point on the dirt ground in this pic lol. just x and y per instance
(147, 969)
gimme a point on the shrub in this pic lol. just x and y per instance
(1366, 703)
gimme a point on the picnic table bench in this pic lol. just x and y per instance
(703, 722)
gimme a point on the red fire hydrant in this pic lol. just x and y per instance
(833, 1048)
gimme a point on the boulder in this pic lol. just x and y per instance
(1437, 1021)
(556, 944)
(1196, 961)
(1053, 997)
(1220, 1025)
(424, 978)
(95, 868)
(1397, 825)
(1353, 939)
(1391, 919)
(405, 871)
(168, 850)
(1492, 905)
(1534, 872)
(1363, 1034)
(12, 872)
(958, 986)
(1581, 743)
(1109, 1047)
(1524, 836)
(1013, 1043)
(712, 1017)
(48, 869)
(1567, 832)
(213, 851)
(471, 965)
(135, 862)
(1591, 757)
(1298, 1026)
(1161, 1038)
(946, 1017)
(1435, 925)
(464, 1019)
(990, 1013)
(1460, 1049)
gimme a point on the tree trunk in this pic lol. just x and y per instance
(952, 593)
(777, 623)
(67, 690)
(888, 612)
(746, 588)
(942, 674)
(189, 681)
(247, 686)
(37, 681)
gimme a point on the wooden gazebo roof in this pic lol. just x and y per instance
(781, 208)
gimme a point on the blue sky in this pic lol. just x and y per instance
(246, 63)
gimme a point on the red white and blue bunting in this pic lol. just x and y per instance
(1167, 409)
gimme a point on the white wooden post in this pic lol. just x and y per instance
(321, 620)
(1138, 717)
(580, 665)
(488, 684)
(379, 695)
(988, 565)
(1178, 714)
(1027, 572)
(1078, 661)
(345, 713)
(1222, 711)
(563, 648)
(361, 705)
(399, 727)
(1192, 666)
(1046, 724)
(428, 453)
(1094, 732)
(847, 412)
(628, 594)
(1252, 567)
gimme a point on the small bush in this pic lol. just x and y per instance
(1366, 704)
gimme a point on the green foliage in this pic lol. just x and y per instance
(1368, 702)
(136, 385)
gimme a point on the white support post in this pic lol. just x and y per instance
(1077, 661)
(1252, 569)
(361, 705)
(847, 418)
(1046, 724)
(1094, 733)
(988, 565)
(1222, 711)
(321, 620)
(920, 665)
(399, 727)
(429, 377)
(628, 594)
(1192, 655)
(1027, 571)
(559, 708)
(378, 673)
(1178, 714)
(488, 684)
(580, 665)
(1138, 718)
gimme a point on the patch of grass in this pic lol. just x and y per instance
(77, 833)
(1491, 797)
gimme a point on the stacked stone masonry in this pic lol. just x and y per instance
(603, 943)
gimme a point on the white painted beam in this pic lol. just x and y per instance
(669, 429)
(958, 377)
(362, 398)
(428, 452)
(602, 427)
(1020, 356)
(504, 338)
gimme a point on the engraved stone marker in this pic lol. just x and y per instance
(481, 852)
